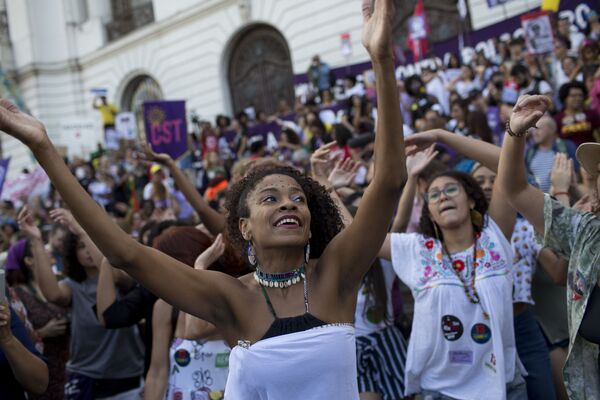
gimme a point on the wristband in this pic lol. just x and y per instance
(560, 193)
(513, 134)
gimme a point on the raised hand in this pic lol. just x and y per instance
(27, 224)
(321, 162)
(416, 163)
(64, 217)
(149, 155)
(211, 254)
(21, 126)
(343, 173)
(561, 174)
(377, 29)
(527, 112)
(422, 141)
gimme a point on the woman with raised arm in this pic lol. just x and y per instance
(572, 234)
(295, 313)
(483, 159)
(102, 363)
(458, 268)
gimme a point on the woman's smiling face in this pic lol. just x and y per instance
(278, 214)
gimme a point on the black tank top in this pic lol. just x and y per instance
(299, 323)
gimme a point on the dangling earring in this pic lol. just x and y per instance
(251, 254)
(307, 253)
(476, 218)
(436, 231)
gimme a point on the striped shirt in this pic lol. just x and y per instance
(540, 166)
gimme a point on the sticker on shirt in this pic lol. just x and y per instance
(489, 363)
(464, 357)
(222, 360)
(452, 328)
(577, 284)
(182, 357)
(481, 333)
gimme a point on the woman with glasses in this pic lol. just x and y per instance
(458, 268)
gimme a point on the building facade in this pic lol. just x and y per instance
(218, 55)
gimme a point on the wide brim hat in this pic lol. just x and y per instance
(588, 155)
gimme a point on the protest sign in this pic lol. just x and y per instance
(538, 32)
(125, 125)
(166, 127)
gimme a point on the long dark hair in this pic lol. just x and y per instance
(473, 191)
(73, 268)
(376, 293)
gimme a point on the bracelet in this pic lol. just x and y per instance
(560, 193)
(511, 133)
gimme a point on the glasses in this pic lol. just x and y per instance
(449, 190)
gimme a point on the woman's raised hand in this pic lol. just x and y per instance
(27, 225)
(416, 163)
(377, 29)
(211, 254)
(422, 141)
(21, 126)
(65, 217)
(149, 155)
(527, 112)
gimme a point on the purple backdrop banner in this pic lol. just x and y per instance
(475, 40)
(166, 127)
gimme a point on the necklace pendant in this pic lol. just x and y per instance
(486, 316)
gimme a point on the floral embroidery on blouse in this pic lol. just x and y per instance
(437, 268)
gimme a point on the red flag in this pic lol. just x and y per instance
(418, 30)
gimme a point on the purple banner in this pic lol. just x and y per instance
(166, 127)
(474, 40)
(3, 171)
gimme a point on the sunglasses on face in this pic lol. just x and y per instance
(449, 190)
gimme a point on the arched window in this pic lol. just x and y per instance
(140, 89)
(260, 70)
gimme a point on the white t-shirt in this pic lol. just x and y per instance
(453, 349)
(363, 319)
(526, 251)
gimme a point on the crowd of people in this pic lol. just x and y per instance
(435, 235)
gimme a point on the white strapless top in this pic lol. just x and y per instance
(319, 363)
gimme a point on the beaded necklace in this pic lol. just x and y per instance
(457, 267)
(281, 280)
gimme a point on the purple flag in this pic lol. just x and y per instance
(166, 127)
(3, 171)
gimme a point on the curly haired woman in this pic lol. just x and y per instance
(290, 325)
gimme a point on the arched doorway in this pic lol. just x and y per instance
(140, 89)
(260, 70)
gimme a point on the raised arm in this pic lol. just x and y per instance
(322, 169)
(212, 219)
(106, 294)
(484, 153)
(512, 179)
(355, 248)
(206, 294)
(30, 371)
(53, 291)
(162, 333)
(415, 164)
